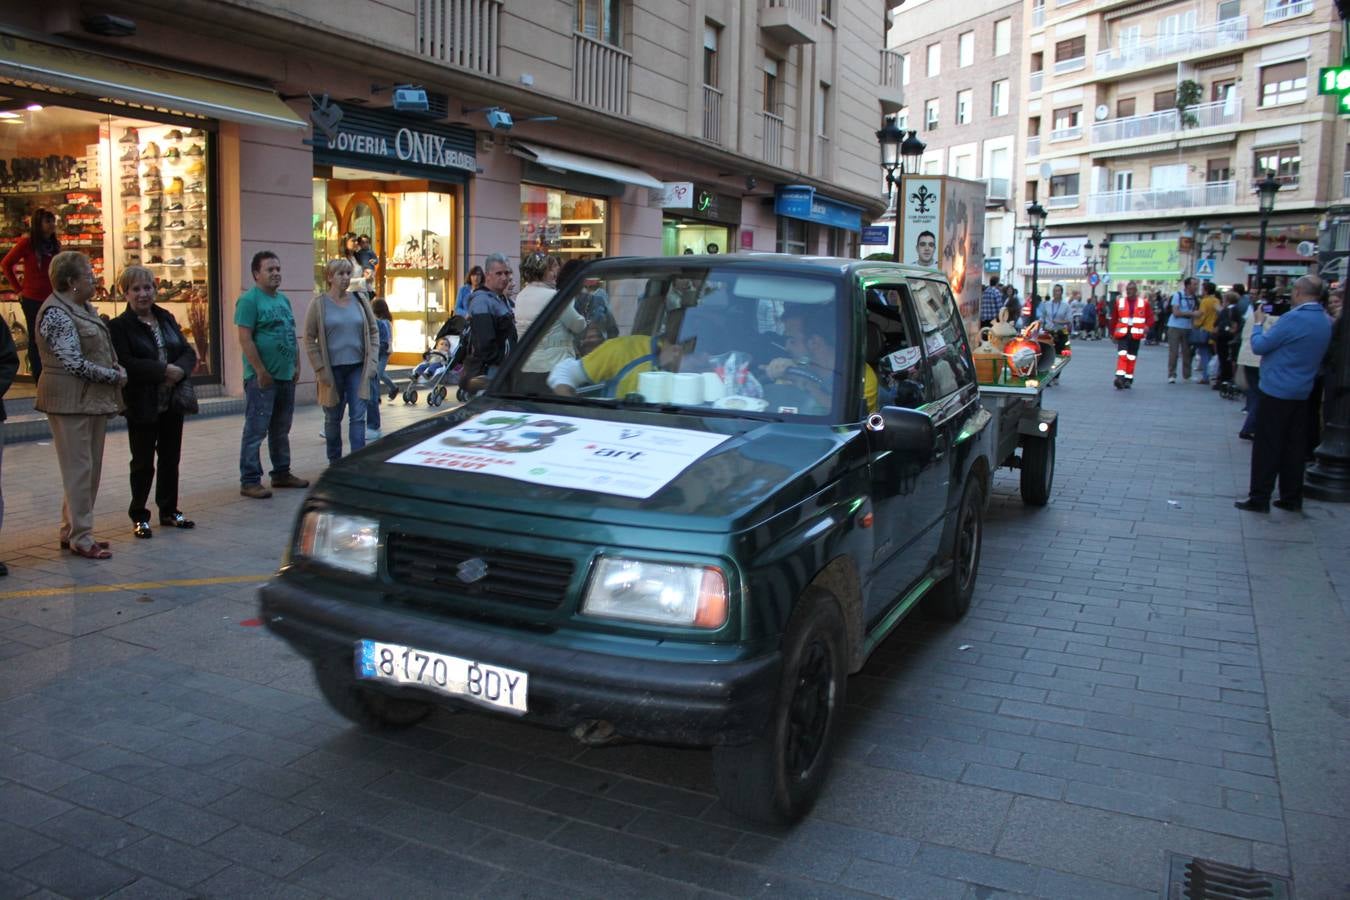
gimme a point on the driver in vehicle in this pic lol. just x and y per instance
(808, 333)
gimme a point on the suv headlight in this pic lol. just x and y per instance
(347, 542)
(661, 592)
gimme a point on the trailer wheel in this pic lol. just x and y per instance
(1038, 469)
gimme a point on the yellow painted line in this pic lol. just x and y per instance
(131, 586)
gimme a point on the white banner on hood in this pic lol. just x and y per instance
(565, 451)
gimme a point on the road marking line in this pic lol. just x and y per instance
(132, 586)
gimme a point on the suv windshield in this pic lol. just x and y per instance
(725, 338)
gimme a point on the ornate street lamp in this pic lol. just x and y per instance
(1095, 263)
(1036, 218)
(1268, 187)
(1213, 245)
(900, 151)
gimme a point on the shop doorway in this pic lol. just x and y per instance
(683, 236)
(411, 227)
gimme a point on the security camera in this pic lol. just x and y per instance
(410, 99)
(499, 119)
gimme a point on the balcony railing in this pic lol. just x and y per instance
(1036, 82)
(1066, 134)
(892, 69)
(1037, 16)
(461, 33)
(996, 189)
(600, 74)
(773, 139)
(1063, 201)
(1207, 115)
(1070, 65)
(822, 160)
(1168, 46)
(1191, 196)
(1278, 12)
(1034, 145)
(712, 114)
(790, 21)
(1345, 184)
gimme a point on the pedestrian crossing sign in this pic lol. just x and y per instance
(1204, 268)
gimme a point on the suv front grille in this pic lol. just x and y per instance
(538, 582)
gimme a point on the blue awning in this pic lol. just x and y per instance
(800, 201)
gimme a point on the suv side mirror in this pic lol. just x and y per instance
(905, 431)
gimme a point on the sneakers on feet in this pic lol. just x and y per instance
(256, 491)
(1172, 380)
(373, 434)
(289, 481)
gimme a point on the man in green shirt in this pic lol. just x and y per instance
(267, 335)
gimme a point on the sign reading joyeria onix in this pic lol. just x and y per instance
(389, 141)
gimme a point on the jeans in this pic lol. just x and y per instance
(267, 414)
(347, 381)
(378, 384)
(1205, 353)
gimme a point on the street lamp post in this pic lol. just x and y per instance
(899, 150)
(1268, 187)
(1095, 262)
(1036, 218)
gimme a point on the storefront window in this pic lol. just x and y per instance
(125, 191)
(411, 234)
(571, 226)
(679, 236)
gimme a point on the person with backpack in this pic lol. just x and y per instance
(1185, 305)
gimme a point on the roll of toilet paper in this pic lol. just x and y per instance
(687, 388)
(713, 388)
(655, 386)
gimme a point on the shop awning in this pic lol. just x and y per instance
(564, 161)
(148, 86)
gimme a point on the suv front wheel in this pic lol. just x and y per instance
(776, 778)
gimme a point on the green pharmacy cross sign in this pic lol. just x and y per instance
(1336, 80)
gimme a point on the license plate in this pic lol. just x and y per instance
(494, 686)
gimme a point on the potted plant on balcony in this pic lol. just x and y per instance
(1189, 93)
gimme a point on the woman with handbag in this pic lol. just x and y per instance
(33, 253)
(343, 345)
(1203, 326)
(79, 390)
(158, 360)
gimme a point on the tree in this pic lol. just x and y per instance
(1189, 93)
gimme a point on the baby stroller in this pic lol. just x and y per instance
(439, 368)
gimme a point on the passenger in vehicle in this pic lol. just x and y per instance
(813, 361)
(621, 360)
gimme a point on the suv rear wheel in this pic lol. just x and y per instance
(776, 778)
(950, 598)
(368, 708)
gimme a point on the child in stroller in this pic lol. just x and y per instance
(433, 361)
(441, 364)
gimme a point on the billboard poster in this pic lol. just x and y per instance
(1058, 252)
(922, 220)
(943, 228)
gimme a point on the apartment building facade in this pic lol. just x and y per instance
(1149, 123)
(961, 74)
(582, 128)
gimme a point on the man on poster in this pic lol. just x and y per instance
(925, 249)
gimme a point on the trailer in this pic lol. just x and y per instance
(1024, 430)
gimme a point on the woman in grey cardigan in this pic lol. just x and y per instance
(342, 342)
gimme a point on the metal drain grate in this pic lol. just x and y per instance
(1189, 878)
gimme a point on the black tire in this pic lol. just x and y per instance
(367, 707)
(950, 598)
(776, 778)
(434, 398)
(410, 397)
(1038, 470)
(461, 395)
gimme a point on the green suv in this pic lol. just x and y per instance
(697, 496)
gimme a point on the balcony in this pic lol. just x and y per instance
(712, 114)
(821, 164)
(600, 74)
(1168, 47)
(1207, 115)
(461, 33)
(773, 139)
(1345, 184)
(1037, 16)
(1036, 82)
(996, 191)
(1062, 201)
(1070, 65)
(790, 21)
(890, 80)
(1072, 133)
(1191, 196)
(1277, 11)
(1034, 145)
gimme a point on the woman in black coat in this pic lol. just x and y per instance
(156, 355)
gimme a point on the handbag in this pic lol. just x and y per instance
(184, 398)
(1199, 337)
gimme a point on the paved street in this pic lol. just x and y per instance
(1146, 670)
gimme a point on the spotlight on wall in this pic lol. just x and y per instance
(109, 25)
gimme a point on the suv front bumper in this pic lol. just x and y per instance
(664, 701)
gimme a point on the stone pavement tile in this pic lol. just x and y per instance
(146, 888)
(169, 861)
(418, 791)
(890, 881)
(1014, 781)
(902, 804)
(358, 843)
(334, 797)
(507, 785)
(930, 765)
(248, 807)
(780, 856)
(588, 808)
(242, 881)
(13, 886)
(26, 807)
(1105, 845)
(976, 868)
(440, 867)
(1054, 885)
(75, 873)
(334, 875)
(55, 743)
(504, 815)
(268, 778)
(575, 870)
(682, 832)
(21, 845)
(569, 775)
(191, 787)
(269, 853)
(1318, 848)
(516, 886)
(109, 795)
(115, 762)
(180, 821)
(37, 771)
(91, 831)
(428, 826)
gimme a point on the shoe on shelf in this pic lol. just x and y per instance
(142, 530)
(174, 135)
(1289, 505)
(176, 520)
(256, 491)
(289, 481)
(1252, 506)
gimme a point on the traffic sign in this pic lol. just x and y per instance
(876, 234)
(1204, 268)
(1094, 280)
(993, 266)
